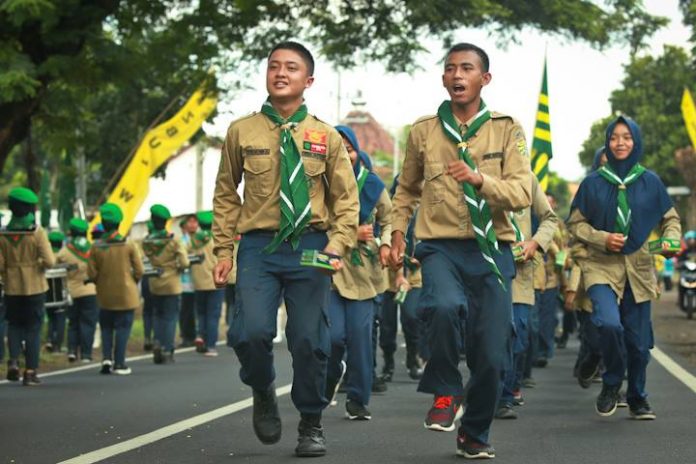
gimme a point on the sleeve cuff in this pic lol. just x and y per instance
(224, 253)
(399, 224)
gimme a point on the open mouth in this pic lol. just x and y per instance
(458, 89)
(280, 85)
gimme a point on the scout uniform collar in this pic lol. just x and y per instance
(27, 222)
(295, 207)
(479, 211)
(80, 248)
(114, 236)
(155, 243)
(623, 209)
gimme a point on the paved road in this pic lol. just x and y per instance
(77, 413)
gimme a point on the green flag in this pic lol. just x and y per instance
(541, 144)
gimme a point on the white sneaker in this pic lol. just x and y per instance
(211, 353)
(106, 366)
(122, 370)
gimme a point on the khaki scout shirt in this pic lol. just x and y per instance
(202, 274)
(500, 152)
(614, 269)
(252, 148)
(173, 259)
(116, 269)
(76, 278)
(24, 259)
(367, 281)
(577, 285)
(523, 283)
(546, 273)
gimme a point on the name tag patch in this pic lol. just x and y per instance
(309, 154)
(318, 148)
(251, 151)
(495, 155)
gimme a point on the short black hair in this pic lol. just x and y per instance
(467, 47)
(299, 48)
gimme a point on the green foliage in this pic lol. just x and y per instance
(91, 76)
(651, 93)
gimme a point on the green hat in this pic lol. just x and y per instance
(150, 226)
(205, 218)
(24, 195)
(79, 225)
(160, 211)
(110, 212)
(56, 236)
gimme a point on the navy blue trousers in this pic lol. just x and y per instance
(25, 315)
(82, 323)
(512, 376)
(261, 279)
(165, 316)
(410, 322)
(208, 311)
(548, 320)
(115, 331)
(532, 353)
(460, 288)
(625, 337)
(351, 335)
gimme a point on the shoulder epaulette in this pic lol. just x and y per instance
(243, 118)
(496, 115)
(425, 118)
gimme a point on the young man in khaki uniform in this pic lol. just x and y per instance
(209, 298)
(468, 168)
(115, 266)
(25, 254)
(299, 193)
(523, 291)
(168, 254)
(84, 311)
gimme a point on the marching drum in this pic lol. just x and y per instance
(57, 295)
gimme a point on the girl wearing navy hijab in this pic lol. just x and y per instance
(615, 210)
(352, 299)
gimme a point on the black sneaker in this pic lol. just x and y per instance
(517, 398)
(200, 345)
(379, 385)
(588, 369)
(147, 346)
(122, 369)
(470, 449)
(541, 362)
(607, 400)
(310, 441)
(72, 357)
(446, 410)
(506, 412)
(529, 382)
(12, 371)
(622, 402)
(357, 411)
(332, 389)
(30, 379)
(642, 411)
(415, 373)
(388, 368)
(158, 355)
(266, 417)
(106, 367)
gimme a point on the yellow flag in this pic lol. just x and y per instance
(689, 112)
(158, 145)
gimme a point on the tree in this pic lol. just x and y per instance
(91, 75)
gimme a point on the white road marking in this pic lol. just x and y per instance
(167, 431)
(684, 376)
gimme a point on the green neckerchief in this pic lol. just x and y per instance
(479, 211)
(156, 242)
(362, 177)
(27, 222)
(623, 210)
(295, 207)
(519, 236)
(201, 239)
(56, 249)
(80, 248)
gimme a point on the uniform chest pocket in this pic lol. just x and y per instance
(491, 166)
(434, 188)
(314, 170)
(257, 180)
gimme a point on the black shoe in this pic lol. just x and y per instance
(266, 417)
(388, 368)
(357, 411)
(506, 412)
(622, 402)
(529, 382)
(379, 385)
(642, 411)
(157, 355)
(72, 357)
(106, 367)
(415, 372)
(588, 369)
(332, 387)
(470, 449)
(30, 379)
(310, 441)
(147, 346)
(12, 371)
(607, 400)
(541, 362)
(122, 369)
(562, 343)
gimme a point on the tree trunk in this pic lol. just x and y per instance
(14, 125)
(30, 163)
(686, 161)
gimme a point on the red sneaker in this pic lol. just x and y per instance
(445, 412)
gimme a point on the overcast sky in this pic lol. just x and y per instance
(580, 82)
